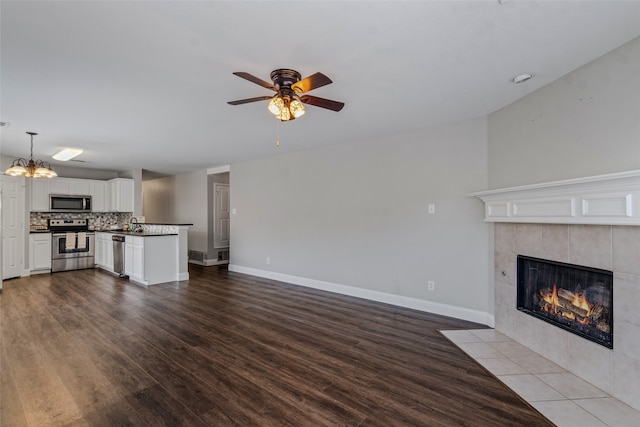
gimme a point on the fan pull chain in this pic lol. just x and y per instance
(278, 134)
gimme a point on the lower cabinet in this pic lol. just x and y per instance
(148, 260)
(134, 258)
(152, 259)
(40, 253)
(104, 251)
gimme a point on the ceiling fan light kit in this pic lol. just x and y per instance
(31, 168)
(286, 104)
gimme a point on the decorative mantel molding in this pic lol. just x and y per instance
(612, 199)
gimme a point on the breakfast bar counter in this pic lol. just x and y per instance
(155, 253)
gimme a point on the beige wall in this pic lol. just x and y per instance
(158, 200)
(179, 199)
(585, 123)
(356, 215)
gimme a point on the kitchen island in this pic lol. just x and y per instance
(156, 253)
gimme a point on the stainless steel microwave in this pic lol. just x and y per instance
(66, 203)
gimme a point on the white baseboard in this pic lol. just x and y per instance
(399, 300)
(208, 262)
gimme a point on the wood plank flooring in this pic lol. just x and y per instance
(85, 348)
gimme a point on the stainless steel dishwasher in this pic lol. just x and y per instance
(118, 255)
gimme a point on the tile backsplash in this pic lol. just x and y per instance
(97, 220)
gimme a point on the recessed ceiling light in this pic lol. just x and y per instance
(521, 78)
(67, 154)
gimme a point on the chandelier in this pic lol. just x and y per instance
(31, 168)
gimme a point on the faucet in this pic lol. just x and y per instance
(135, 227)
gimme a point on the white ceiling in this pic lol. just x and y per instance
(146, 84)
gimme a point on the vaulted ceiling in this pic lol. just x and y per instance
(145, 84)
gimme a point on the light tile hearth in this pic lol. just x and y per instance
(559, 395)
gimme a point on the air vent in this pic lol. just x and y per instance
(223, 255)
(196, 256)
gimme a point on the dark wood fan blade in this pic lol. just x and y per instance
(322, 103)
(246, 101)
(254, 79)
(312, 82)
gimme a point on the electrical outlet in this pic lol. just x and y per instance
(268, 260)
(431, 285)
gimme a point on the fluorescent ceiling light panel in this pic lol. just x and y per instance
(67, 154)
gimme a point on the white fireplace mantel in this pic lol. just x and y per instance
(612, 199)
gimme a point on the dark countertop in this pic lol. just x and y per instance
(123, 233)
(134, 233)
(162, 223)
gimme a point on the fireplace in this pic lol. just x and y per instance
(591, 221)
(575, 298)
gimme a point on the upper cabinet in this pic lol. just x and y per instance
(98, 192)
(78, 187)
(115, 195)
(40, 189)
(121, 192)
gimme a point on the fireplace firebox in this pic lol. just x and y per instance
(575, 298)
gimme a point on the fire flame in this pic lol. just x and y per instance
(578, 300)
(553, 298)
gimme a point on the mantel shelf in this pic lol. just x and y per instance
(612, 199)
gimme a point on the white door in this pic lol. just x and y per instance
(221, 215)
(12, 226)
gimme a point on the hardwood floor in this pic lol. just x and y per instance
(85, 348)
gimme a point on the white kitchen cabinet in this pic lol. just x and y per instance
(134, 259)
(98, 192)
(98, 253)
(60, 186)
(40, 253)
(74, 186)
(138, 260)
(104, 251)
(108, 250)
(40, 189)
(150, 260)
(81, 187)
(128, 257)
(121, 195)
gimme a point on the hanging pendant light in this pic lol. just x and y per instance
(31, 168)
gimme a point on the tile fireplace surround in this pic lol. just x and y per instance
(593, 222)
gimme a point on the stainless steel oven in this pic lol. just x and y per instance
(73, 246)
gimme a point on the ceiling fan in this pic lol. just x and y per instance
(286, 104)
